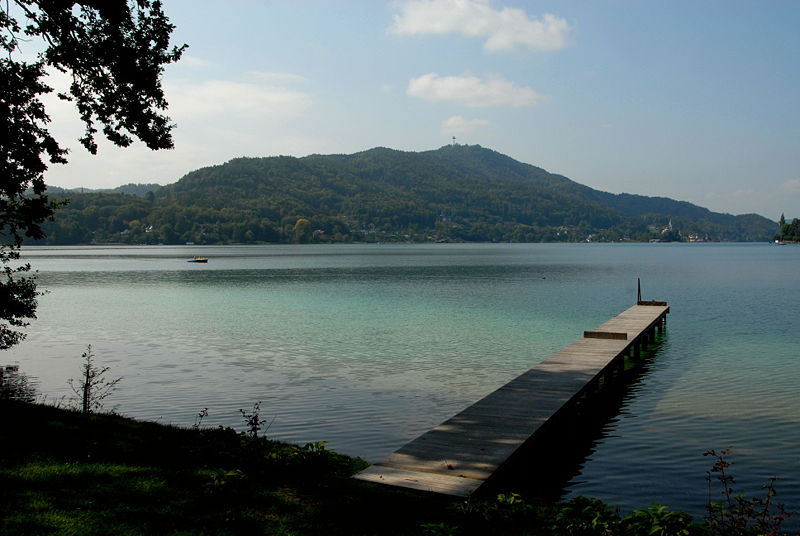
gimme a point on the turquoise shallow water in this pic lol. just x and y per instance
(367, 346)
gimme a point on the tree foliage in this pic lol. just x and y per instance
(788, 232)
(114, 52)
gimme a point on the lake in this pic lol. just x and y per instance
(367, 346)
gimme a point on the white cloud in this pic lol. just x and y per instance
(277, 78)
(461, 125)
(194, 62)
(199, 100)
(471, 91)
(216, 121)
(195, 100)
(792, 186)
(504, 29)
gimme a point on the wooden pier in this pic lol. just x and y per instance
(458, 456)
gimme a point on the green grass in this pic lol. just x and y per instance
(64, 472)
(67, 473)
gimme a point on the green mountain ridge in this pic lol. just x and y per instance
(454, 193)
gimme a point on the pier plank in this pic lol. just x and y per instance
(457, 456)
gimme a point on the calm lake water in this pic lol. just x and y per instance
(367, 346)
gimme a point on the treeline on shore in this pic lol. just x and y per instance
(788, 232)
(456, 193)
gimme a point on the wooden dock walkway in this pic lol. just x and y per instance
(458, 456)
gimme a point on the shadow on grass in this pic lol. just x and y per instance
(65, 472)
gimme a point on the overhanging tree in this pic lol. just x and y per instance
(115, 52)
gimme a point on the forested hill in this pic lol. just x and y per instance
(455, 193)
(129, 189)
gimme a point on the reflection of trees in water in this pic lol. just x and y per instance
(16, 385)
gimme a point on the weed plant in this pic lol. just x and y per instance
(736, 514)
(92, 387)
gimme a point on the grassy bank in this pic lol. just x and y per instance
(66, 472)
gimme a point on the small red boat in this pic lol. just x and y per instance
(198, 259)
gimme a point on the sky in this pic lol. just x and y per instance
(696, 100)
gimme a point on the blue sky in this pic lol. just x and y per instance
(696, 100)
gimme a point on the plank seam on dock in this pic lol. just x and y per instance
(453, 472)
